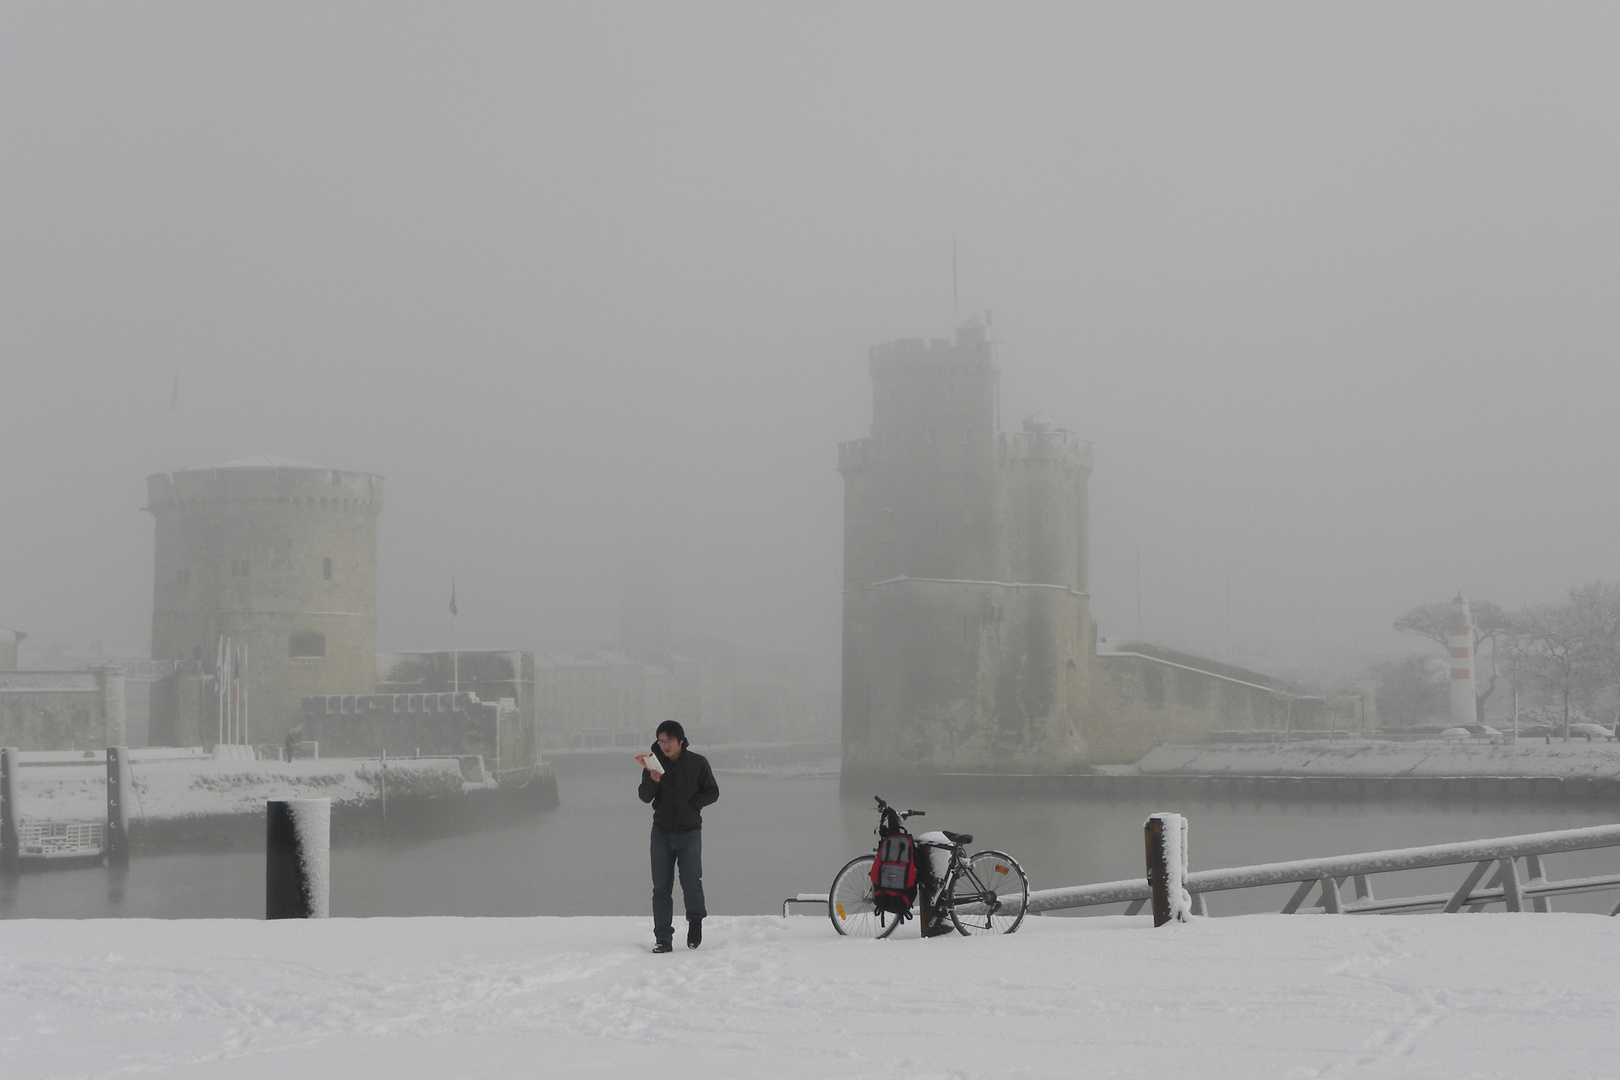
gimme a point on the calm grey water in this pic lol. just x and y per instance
(768, 839)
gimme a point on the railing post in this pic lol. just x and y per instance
(1460, 897)
(9, 861)
(1331, 903)
(1512, 895)
(118, 783)
(1166, 840)
(1536, 873)
(298, 847)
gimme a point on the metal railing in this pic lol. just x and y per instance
(55, 840)
(804, 898)
(1330, 875)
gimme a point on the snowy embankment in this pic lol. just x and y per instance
(196, 787)
(1367, 758)
(1245, 997)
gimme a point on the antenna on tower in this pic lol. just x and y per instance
(955, 303)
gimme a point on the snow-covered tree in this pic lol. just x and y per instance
(1551, 644)
(1491, 626)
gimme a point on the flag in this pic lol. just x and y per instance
(452, 596)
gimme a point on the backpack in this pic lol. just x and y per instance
(894, 875)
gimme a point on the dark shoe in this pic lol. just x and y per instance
(663, 945)
(694, 933)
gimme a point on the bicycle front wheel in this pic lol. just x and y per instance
(849, 902)
(989, 895)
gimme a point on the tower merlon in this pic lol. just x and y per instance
(1052, 448)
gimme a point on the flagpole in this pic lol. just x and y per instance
(956, 316)
(219, 688)
(455, 642)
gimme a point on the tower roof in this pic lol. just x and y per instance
(267, 461)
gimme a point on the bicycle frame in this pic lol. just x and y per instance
(963, 892)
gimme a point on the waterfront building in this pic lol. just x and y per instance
(279, 558)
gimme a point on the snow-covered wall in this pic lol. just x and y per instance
(179, 789)
(1369, 758)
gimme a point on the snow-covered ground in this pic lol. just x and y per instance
(1370, 758)
(1490, 995)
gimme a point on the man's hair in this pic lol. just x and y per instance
(673, 729)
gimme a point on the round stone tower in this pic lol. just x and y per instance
(280, 557)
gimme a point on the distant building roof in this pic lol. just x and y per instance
(600, 658)
(268, 461)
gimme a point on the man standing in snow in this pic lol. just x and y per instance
(678, 791)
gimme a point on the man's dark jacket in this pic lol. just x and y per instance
(679, 798)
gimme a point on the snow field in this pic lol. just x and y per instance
(1253, 996)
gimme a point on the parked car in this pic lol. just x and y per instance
(1590, 731)
(1471, 731)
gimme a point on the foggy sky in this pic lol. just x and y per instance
(1333, 290)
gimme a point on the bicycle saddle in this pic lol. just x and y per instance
(958, 837)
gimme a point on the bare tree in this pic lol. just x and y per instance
(1492, 625)
(1552, 645)
(1596, 609)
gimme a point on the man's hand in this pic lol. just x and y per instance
(655, 774)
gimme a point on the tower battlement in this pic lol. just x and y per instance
(969, 354)
(272, 482)
(1052, 449)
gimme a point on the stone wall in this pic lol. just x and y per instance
(490, 674)
(404, 725)
(62, 710)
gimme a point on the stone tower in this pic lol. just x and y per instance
(968, 637)
(280, 557)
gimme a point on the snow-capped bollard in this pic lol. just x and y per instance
(118, 791)
(298, 849)
(1166, 836)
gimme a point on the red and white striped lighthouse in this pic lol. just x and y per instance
(1460, 640)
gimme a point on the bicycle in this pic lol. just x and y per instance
(982, 893)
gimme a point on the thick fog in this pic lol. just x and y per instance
(1333, 290)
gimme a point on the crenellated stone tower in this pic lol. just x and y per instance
(968, 638)
(280, 557)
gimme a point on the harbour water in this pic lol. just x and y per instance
(771, 837)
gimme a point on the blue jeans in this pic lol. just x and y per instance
(669, 850)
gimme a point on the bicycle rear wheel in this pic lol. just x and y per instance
(989, 895)
(849, 902)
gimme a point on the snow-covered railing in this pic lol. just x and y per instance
(804, 898)
(1329, 875)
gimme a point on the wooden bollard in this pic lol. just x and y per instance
(9, 861)
(118, 793)
(1166, 838)
(298, 848)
